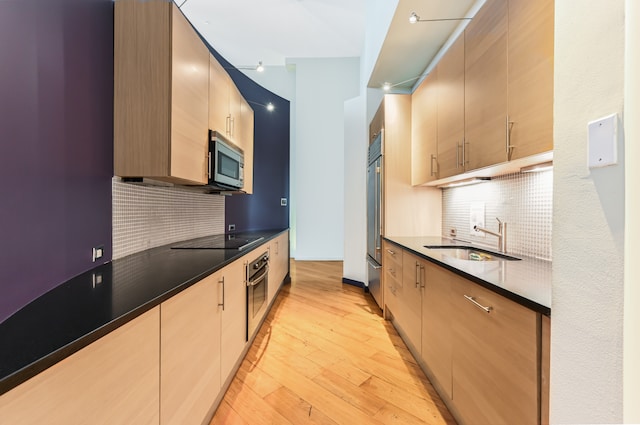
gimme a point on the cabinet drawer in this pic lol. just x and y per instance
(392, 257)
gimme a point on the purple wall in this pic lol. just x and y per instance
(262, 210)
(56, 156)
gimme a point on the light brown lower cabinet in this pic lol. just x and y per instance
(190, 351)
(409, 316)
(278, 263)
(437, 342)
(234, 315)
(484, 353)
(114, 380)
(495, 357)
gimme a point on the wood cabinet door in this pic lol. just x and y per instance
(409, 314)
(450, 117)
(486, 86)
(114, 380)
(436, 325)
(190, 352)
(219, 87)
(235, 112)
(278, 263)
(495, 357)
(424, 131)
(189, 103)
(234, 316)
(531, 76)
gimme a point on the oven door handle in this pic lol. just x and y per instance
(254, 281)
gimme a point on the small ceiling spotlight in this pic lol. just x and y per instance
(386, 86)
(269, 106)
(413, 18)
(260, 67)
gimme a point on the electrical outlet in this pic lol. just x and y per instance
(232, 227)
(452, 232)
(476, 218)
(283, 202)
(97, 253)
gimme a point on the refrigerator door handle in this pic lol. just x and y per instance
(374, 265)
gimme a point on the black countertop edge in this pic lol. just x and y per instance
(22, 370)
(526, 302)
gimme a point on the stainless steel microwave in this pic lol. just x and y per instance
(226, 163)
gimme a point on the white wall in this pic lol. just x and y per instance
(322, 86)
(355, 161)
(588, 225)
(632, 230)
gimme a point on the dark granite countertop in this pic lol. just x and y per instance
(527, 282)
(89, 306)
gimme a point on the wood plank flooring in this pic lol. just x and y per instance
(325, 355)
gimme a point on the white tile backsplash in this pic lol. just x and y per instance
(522, 200)
(147, 216)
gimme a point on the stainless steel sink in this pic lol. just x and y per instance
(471, 253)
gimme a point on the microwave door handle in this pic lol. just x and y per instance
(209, 173)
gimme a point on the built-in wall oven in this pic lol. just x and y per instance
(257, 290)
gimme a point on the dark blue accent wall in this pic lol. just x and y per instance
(56, 147)
(262, 209)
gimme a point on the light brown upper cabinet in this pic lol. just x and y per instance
(424, 131)
(161, 107)
(531, 76)
(231, 115)
(450, 105)
(486, 87)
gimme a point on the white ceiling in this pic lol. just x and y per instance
(247, 31)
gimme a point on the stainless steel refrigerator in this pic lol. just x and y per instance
(374, 218)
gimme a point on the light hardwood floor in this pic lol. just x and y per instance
(325, 356)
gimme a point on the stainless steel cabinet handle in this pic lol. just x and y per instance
(228, 125)
(457, 155)
(222, 304)
(477, 304)
(421, 275)
(417, 274)
(391, 252)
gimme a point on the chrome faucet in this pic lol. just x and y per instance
(501, 234)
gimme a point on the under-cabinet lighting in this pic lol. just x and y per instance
(465, 182)
(258, 68)
(537, 167)
(388, 86)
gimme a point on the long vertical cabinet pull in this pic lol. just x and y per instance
(417, 274)
(457, 155)
(422, 276)
(433, 170)
(222, 304)
(509, 147)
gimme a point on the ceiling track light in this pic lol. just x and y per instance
(414, 17)
(388, 86)
(269, 106)
(258, 68)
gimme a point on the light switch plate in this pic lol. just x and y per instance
(603, 141)
(476, 218)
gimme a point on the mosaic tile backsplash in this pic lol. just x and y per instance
(523, 200)
(146, 217)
